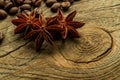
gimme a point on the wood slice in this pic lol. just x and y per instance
(93, 56)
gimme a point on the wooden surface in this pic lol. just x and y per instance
(94, 56)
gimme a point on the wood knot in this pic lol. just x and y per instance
(93, 45)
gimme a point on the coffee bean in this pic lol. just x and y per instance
(3, 14)
(13, 10)
(27, 2)
(49, 3)
(65, 5)
(44, 0)
(71, 1)
(19, 2)
(25, 7)
(37, 3)
(7, 1)
(8, 6)
(55, 7)
(59, 0)
(33, 1)
(2, 4)
(37, 12)
(1, 36)
(26, 12)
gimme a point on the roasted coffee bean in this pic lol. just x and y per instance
(19, 2)
(65, 5)
(7, 1)
(27, 2)
(37, 3)
(37, 12)
(26, 12)
(8, 6)
(25, 7)
(1, 36)
(71, 1)
(44, 0)
(59, 0)
(49, 3)
(13, 10)
(2, 4)
(55, 7)
(33, 1)
(3, 14)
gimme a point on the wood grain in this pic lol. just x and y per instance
(94, 56)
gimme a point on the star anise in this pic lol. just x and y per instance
(68, 25)
(43, 29)
(24, 22)
(42, 32)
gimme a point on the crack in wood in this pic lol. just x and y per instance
(7, 53)
(111, 31)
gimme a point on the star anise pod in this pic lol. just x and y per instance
(68, 25)
(24, 22)
(42, 31)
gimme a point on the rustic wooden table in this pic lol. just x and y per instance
(94, 56)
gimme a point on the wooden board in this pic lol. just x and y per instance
(94, 56)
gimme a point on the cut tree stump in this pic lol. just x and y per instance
(94, 56)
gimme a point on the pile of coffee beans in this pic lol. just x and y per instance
(56, 4)
(12, 7)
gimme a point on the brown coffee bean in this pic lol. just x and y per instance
(49, 3)
(27, 2)
(19, 2)
(7, 1)
(3, 14)
(65, 5)
(37, 12)
(1, 36)
(33, 1)
(13, 10)
(37, 3)
(2, 4)
(25, 7)
(59, 0)
(26, 12)
(8, 6)
(71, 1)
(55, 7)
(44, 0)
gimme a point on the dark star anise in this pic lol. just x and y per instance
(24, 22)
(42, 31)
(68, 25)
